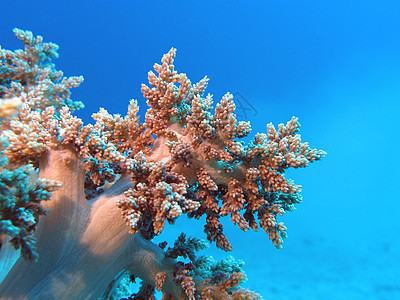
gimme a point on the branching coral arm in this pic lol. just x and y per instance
(184, 159)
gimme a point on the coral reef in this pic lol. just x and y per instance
(115, 183)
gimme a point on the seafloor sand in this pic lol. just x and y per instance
(319, 270)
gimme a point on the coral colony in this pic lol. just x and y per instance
(80, 204)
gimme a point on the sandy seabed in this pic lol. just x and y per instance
(318, 270)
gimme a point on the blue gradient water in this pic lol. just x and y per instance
(333, 64)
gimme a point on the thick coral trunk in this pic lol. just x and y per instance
(82, 245)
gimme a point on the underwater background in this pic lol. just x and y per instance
(333, 64)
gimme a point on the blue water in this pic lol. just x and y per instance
(333, 64)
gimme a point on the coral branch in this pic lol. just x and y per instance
(186, 158)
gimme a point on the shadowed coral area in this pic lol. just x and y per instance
(116, 182)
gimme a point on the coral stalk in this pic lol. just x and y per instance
(82, 245)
